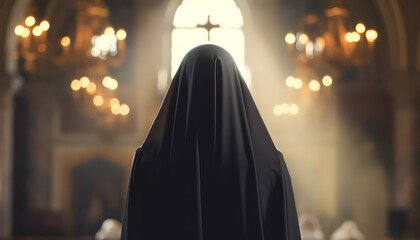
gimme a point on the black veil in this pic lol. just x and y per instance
(208, 169)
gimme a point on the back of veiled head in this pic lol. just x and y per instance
(208, 101)
(205, 74)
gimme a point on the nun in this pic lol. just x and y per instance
(208, 168)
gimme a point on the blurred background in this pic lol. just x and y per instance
(336, 81)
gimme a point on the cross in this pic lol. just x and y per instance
(208, 26)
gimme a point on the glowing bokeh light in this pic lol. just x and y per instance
(104, 45)
(284, 108)
(65, 41)
(113, 84)
(109, 30)
(30, 21)
(319, 44)
(84, 82)
(290, 81)
(327, 80)
(303, 38)
(124, 109)
(121, 34)
(349, 37)
(355, 36)
(314, 85)
(26, 32)
(371, 35)
(298, 83)
(277, 110)
(294, 109)
(113, 102)
(45, 25)
(115, 109)
(290, 38)
(91, 88)
(106, 81)
(75, 85)
(37, 31)
(98, 100)
(19, 29)
(360, 28)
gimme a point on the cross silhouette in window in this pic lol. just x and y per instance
(208, 26)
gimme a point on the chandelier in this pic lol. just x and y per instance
(325, 47)
(89, 52)
(94, 48)
(33, 41)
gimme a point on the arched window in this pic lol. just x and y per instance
(218, 22)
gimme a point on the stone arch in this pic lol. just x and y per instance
(396, 33)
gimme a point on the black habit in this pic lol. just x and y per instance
(208, 169)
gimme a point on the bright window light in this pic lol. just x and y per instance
(224, 20)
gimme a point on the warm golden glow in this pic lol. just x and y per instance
(37, 31)
(98, 100)
(124, 109)
(314, 85)
(114, 101)
(91, 88)
(26, 33)
(229, 35)
(303, 38)
(113, 84)
(298, 83)
(65, 41)
(109, 30)
(284, 108)
(290, 38)
(75, 85)
(106, 81)
(290, 81)
(293, 109)
(45, 25)
(277, 110)
(19, 29)
(30, 21)
(121, 34)
(115, 109)
(84, 82)
(371, 35)
(319, 44)
(355, 36)
(327, 80)
(349, 37)
(360, 28)
(42, 47)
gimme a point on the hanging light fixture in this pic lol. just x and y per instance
(331, 43)
(32, 35)
(95, 47)
(90, 52)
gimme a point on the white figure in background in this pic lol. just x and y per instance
(348, 231)
(310, 227)
(110, 230)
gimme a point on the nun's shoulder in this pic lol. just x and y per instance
(279, 152)
(137, 153)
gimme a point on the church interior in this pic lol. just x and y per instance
(336, 82)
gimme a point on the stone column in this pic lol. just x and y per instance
(40, 93)
(8, 87)
(406, 142)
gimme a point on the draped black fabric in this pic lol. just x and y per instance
(208, 169)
